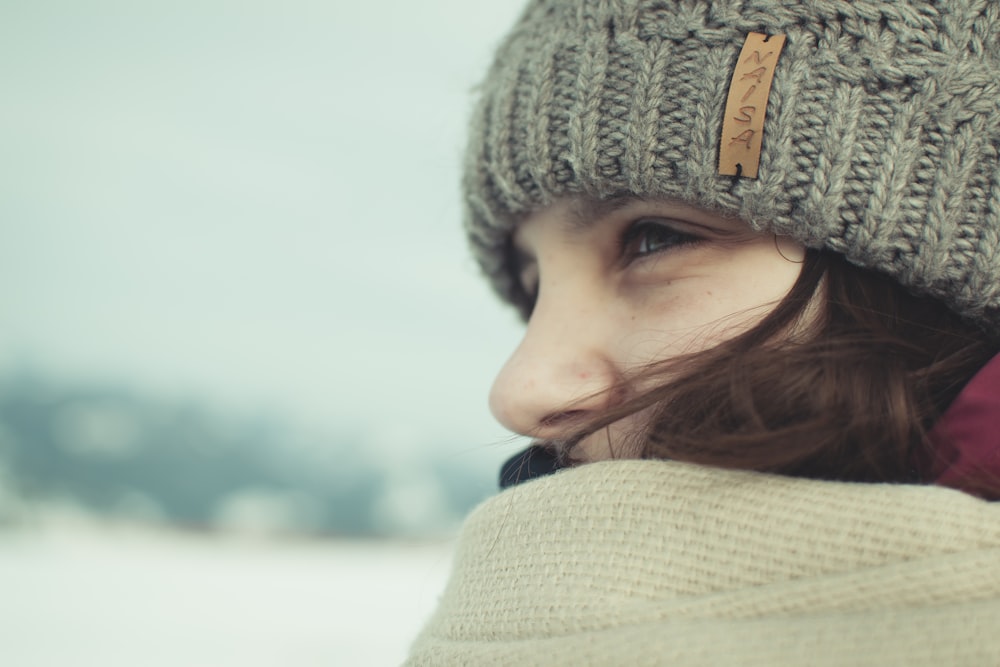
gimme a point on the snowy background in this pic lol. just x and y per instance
(244, 354)
(120, 596)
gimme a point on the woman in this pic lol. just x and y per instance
(757, 246)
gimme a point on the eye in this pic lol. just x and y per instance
(648, 237)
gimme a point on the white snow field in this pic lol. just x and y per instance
(126, 597)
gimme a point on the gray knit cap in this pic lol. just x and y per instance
(881, 137)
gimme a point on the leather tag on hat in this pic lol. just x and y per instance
(743, 122)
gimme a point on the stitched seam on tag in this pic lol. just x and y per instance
(743, 122)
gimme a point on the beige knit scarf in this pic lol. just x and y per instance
(663, 563)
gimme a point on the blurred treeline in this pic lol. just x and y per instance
(110, 452)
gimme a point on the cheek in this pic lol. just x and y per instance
(745, 290)
(682, 322)
(693, 315)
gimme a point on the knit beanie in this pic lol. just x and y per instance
(880, 140)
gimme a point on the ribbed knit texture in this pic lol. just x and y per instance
(882, 138)
(664, 563)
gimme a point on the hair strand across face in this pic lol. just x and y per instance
(849, 392)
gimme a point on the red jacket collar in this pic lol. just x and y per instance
(967, 437)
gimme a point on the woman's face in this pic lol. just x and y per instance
(619, 284)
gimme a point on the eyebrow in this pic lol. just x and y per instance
(586, 211)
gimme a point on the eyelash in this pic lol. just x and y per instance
(640, 232)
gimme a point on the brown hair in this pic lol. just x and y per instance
(842, 380)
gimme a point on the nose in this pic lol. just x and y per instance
(562, 373)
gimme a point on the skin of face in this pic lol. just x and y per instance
(620, 284)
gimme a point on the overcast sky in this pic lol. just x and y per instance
(253, 204)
